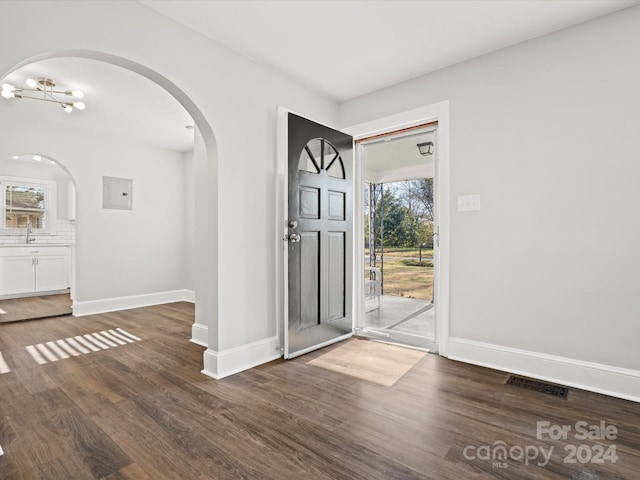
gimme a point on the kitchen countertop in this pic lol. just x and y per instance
(35, 245)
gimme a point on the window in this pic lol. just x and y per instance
(25, 201)
(319, 155)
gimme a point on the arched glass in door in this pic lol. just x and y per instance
(318, 155)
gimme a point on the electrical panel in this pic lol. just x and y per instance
(117, 193)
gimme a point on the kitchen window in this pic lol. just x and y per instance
(25, 201)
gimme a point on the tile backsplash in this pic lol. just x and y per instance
(65, 234)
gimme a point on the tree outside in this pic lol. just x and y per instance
(403, 221)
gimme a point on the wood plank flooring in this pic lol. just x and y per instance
(144, 411)
(31, 308)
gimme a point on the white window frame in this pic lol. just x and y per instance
(50, 205)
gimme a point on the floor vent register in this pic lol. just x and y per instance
(538, 386)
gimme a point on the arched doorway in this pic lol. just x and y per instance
(37, 235)
(205, 162)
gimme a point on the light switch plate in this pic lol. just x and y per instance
(469, 203)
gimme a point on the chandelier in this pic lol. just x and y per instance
(43, 90)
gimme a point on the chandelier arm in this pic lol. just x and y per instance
(54, 100)
(47, 94)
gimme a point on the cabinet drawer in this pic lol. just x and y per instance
(32, 250)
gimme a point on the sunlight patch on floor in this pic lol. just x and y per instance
(79, 345)
(375, 362)
(4, 368)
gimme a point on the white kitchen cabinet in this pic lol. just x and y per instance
(17, 274)
(52, 272)
(25, 270)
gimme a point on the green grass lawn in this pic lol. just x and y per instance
(406, 278)
(405, 252)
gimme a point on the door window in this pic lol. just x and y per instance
(317, 155)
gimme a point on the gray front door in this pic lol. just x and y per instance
(320, 164)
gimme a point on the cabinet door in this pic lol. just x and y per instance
(17, 274)
(52, 272)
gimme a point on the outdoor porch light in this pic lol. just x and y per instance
(426, 148)
(43, 90)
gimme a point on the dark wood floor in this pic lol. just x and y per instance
(144, 411)
(30, 308)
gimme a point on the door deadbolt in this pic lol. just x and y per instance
(293, 224)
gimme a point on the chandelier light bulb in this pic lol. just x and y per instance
(79, 105)
(68, 108)
(7, 87)
(31, 83)
(77, 94)
(8, 93)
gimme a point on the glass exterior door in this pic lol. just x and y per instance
(400, 235)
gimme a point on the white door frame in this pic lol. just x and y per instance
(282, 208)
(437, 112)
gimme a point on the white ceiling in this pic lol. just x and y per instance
(346, 48)
(341, 49)
(118, 102)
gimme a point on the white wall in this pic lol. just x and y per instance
(235, 97)
(547, 133)
(119, 253)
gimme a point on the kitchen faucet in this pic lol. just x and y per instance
(30, 237)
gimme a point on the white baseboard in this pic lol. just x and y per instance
(595, 377)
(92, 307)
(227, 362)
(189, 296)
(200, 334)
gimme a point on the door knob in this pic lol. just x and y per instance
(294, 238)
